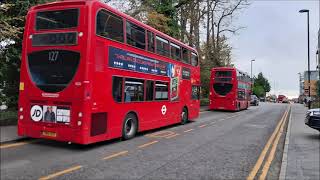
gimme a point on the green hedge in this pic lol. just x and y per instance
(204, 102)
(5, 115)
(315, 104)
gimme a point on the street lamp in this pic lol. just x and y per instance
(317, 58)
(251, 76)
(307, 11)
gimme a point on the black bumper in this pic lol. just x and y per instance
(313, 122)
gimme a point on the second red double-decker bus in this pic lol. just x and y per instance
(230, 89)
(91, 73)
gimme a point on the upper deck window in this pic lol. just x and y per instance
(185, 55)
(59, 19)
(223, 76)
(136, 36)
(109, 26)
(175, 51)
(194, 59)
(223, 73)
(162, 46)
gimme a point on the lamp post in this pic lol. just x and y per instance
(309, 100)
(318, 58)
(252, 82)
(300, 88)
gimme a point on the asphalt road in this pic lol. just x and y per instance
(219, 145)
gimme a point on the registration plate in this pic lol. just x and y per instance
(50, 134)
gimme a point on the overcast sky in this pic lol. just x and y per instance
(276, 37)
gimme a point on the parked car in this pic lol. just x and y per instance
(262, 99)
(313, 118)
(254, 100)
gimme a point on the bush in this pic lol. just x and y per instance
(204, 102)
(315, 104)
(7, 114)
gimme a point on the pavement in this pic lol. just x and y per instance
(301, 155)
(8, 134)
(204, 108)
(218, 145)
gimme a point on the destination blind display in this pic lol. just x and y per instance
(130, 61)
(54, 39)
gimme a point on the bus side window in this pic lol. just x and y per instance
(150, 41)
(136, 36)
(109, 26)
(117, 88)
(241, 95)
(195, 94)
(133, 90)
(185, 55)
(149, 90)
(162, 91)
(175, 51)
(162, 46)
(194, 59)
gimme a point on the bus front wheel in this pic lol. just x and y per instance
(130, 126)
(184, 116)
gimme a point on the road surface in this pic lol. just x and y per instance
(219, 145)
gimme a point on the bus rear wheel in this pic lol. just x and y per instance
(184, 116)
(130, 126)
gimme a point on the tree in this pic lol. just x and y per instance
(261, 85)
(12, 20)
(162, 15)
(258, 91)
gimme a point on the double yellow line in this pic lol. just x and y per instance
(274, 140)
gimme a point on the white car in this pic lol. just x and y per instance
(313, 118)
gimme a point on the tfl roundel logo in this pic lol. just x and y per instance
(36, 113)
(163, 109)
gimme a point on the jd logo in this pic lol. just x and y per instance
(36, 113)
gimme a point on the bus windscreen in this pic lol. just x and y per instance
(59, 19)
(52, 70)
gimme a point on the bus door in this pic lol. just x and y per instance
(195, 101)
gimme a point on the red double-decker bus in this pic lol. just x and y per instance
(230, 89)
(91, 73)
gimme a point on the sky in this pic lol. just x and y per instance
(275, 35)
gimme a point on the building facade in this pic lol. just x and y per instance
(314, 77)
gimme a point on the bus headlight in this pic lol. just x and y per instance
(79, 123)
(80, 114)
(21, 109)
(21, 117)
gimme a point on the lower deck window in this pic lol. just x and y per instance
(117, 88)
(133, 90)
(241, 95)
(161, 91)
(195, 92)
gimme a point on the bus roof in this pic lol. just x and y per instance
(223, 68)
(228, 69)
(123, 15)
